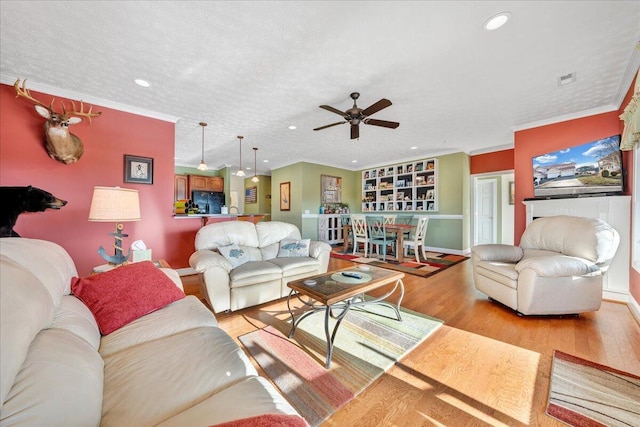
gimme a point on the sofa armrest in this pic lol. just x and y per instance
(316, 249)
(203, 259)
(497, 252)
(559, 266)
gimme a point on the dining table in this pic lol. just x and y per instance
(400, 229)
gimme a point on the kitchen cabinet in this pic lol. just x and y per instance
(183, 185)
(180, 187)
(205, 183)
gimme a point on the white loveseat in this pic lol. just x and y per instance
(557, 269)
(171, 367)
(264, 275)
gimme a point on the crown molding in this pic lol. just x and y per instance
(64, 93)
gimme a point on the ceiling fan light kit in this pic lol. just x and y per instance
(355, 115)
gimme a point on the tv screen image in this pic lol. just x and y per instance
(594, 168)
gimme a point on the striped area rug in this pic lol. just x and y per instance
(365, 347)
(584, 393)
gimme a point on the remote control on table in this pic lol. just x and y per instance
(350, 274)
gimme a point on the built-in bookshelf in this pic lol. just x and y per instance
(402, 187)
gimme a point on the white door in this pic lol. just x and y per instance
(486, 221)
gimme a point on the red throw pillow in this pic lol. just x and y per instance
(120, 296)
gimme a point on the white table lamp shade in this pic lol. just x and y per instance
(114, 204)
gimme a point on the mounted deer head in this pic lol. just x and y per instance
(61, 145)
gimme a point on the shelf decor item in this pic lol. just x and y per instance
(138, 170)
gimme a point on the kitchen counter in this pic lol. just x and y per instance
(228, 217)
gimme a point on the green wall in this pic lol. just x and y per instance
(305, 193)
(263, 199)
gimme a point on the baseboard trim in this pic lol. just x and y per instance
(634, 308)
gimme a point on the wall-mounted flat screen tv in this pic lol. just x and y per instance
(594, 168)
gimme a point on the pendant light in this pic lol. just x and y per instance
(202, 166)
(255, 171)
(240, 171)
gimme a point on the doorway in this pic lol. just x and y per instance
(493, 215)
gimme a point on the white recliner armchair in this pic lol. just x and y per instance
(557, 269)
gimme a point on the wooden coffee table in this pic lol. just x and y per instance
(336, 294)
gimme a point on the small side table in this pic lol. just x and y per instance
(160, 263)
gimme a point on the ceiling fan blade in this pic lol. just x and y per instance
(383, 103)
(328, 126)
(382, 123)
(355, 131)
(333, 110)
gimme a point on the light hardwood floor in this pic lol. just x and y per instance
(485, 366)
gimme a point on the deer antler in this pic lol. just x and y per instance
(80, 113)
(25, 93)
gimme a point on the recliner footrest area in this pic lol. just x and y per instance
(502, 272)
(253, 272)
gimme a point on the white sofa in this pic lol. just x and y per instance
(171, 367)
(557, 269)
(265, 276)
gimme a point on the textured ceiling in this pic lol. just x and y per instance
(254, 68)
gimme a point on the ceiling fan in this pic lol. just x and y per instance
(355, 115)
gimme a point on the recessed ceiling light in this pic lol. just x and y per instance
(266, 161)
(292, 127)
(496, 21)
(414, 148)
(142, 83)
(354, 161)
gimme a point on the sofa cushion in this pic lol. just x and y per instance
(234, 254)
(25, 308)
(179, 316)
(48, 261)
(296, 265)
(223, 406)
(60, 383)
(74, 316)
(212, 236)
(589, 238)
(270, 232)
(126, 293)
(254, 272)
(148, 383)
(294, 248)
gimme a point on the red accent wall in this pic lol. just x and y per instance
(24, 161)
(533, 142)
(492, 162)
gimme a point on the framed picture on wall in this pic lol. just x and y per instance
(285, 196)
(251, 195)
(138, 170)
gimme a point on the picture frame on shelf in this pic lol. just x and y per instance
(138, 170)
(285, 196)
(430, 180)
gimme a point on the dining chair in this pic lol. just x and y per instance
(360, 232)
(418, 240)
(378, 236)
(347, 230)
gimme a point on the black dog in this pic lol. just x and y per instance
(16, 200)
